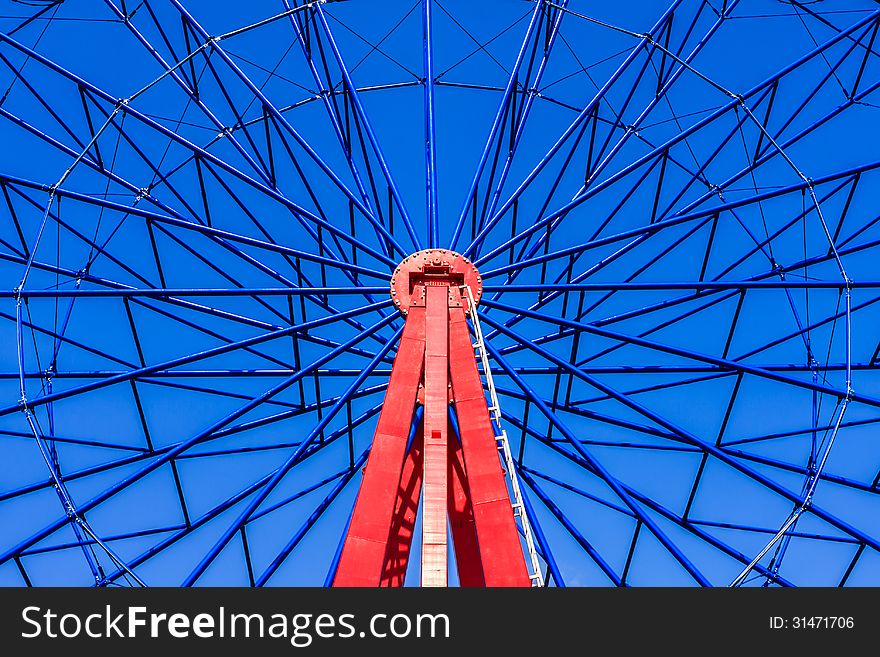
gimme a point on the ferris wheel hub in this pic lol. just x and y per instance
(430, 268)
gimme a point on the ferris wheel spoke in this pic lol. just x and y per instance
(756, 92)
(373, 139)
(576, 253)
(722, 291)
(79, 275)
(144, 454)
(318, 299)
(497, 124)
(575, 410)
(327, 93)
(431, 209)
(685, 523)
(841, 179)
(601, 472)
(571, 528)
(516, 118)
(208, 353)
(303, 215)
(143, 298)
(198, 438)
(184, 531)
(782, 466)
(175, 218)
(577, 126)
(691, 438)
(801, 332)
(230, 502)
(259, 167)
(680, 351)
(220, 236)
(283, 470)
(552, 294)
(309, 523)
(269, 107)
(115, 538)
(60, 338)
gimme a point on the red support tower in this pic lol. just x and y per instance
(458, 477)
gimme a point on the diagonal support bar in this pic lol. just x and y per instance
(500, 550)
(363, 554)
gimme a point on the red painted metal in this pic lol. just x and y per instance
(430, 265)
(460, 479)
(434, 502)
(461, 520)
(363, 553)
(500, 551)
(403, 522)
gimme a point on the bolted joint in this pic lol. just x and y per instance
(434, 268)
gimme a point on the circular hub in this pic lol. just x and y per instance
(433, 267)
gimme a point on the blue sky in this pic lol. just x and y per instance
(220, 175)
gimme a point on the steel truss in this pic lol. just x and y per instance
(676, 241)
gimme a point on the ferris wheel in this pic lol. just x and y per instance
(544, 292)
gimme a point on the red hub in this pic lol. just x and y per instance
(432, 267)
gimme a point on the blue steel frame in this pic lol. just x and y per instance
(342, 269)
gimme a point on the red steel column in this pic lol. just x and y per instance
(500, 550)
(404, 519)
(461, 480)
(434, 494)
(461, 520)
(366, 545)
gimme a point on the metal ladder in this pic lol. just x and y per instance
(519, 509)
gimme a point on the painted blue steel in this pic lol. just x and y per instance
(709, 448)
(280, 473)
(702, 289)
(600, 470)
(270, 107)
(146, 371)
(549, 222)
(368, 128)
(260, 170)
(184, 223)
(222, 164)
(223, 237)
(490, 223)
(300, 533)
(121, 462)
(338, 129)
(348, 256)
(543, 222)
(431, 210)
(648, 501)
(528, 103)
(197, 438)
(503, 109)
(546, 551)
(578, 536)
(745, 368)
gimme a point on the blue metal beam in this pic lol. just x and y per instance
(430, 131)
(689, 437)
